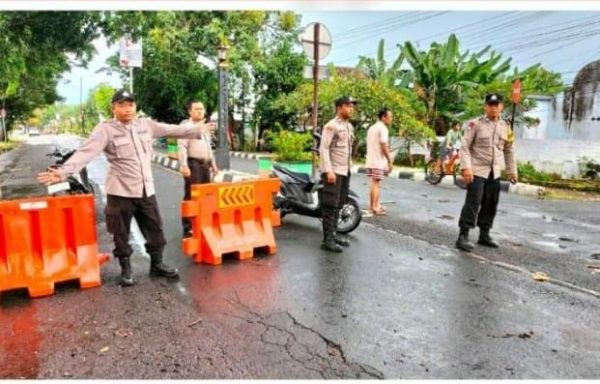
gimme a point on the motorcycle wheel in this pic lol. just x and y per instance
(350, 216)
(459, 181)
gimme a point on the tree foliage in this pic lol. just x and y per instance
(376, 68)
(443, 75)
(37, 47)
(372, 95)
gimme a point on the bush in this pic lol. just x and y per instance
(291, 146)
(528, 173)
(588, 167)
(7, 146)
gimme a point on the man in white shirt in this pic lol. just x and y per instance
(379, 159)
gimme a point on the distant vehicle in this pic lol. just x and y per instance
(34, 132)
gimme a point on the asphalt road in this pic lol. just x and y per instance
(401, 303)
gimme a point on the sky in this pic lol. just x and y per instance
(562, 41)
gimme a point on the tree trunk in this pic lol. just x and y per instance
(410, 155)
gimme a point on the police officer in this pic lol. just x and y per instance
(486, 149)
(335, 154)
(127, 143)
(196, 159)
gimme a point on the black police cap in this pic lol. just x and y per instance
(122, 95)
(494, 98)
(345, 100)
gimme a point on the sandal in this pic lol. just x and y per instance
(380, 212)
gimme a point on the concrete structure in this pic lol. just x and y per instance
(569, 126)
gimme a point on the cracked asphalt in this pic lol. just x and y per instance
(400, 303)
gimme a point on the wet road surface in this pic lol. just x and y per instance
(400, 303)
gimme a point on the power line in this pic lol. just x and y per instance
(367, 26)
(382, 26)
(556, 48)
(394, 28)
(466, 27)
(494, 28)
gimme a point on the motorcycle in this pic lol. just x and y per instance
(76, 184)
(300, 194)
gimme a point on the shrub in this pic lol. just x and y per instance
(291, 146)
(588, 167)
(528, 173)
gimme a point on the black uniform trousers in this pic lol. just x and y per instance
(481, 203)
(199, 174)
(119, 212)
(333, 198)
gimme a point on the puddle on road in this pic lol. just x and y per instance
(550, 244)
(550, 236)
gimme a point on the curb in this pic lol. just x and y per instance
(232, 176)
(249, 156)
(222, 177)
(505, 186)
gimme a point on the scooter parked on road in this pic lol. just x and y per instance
(300, 194)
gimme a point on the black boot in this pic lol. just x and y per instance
(329, 227)
(463, 242)
(341, 241)
(330, 244)
(486, 240)
(126, 273)
(158, 268)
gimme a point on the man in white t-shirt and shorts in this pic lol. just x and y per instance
(379, 159)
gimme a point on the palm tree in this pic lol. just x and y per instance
(442, 76)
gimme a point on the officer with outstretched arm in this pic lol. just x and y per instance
(126, 141)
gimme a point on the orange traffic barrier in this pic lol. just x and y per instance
(231, 218)
(44, 241)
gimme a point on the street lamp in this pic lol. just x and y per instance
(222, 151)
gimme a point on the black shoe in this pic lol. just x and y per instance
(187, 234)
(341, 241)
(330, 245)
(486, 240)
(463, 242)
(126, 273)
(158, 268)
(163, 270)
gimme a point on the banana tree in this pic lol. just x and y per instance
(376, 69)
(443, 76)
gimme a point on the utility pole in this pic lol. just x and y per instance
(81, 105)
(222, 153)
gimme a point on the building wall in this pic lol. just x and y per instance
(557, 143)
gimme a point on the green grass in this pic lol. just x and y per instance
(8, 145)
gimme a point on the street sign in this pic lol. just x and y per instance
(323, 72)
(516, 92)
(206, 61)
(308, 41)
(130, 53)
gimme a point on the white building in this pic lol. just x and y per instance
(569, 126)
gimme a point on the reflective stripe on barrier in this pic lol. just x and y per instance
(46, 241)
(231, 218)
